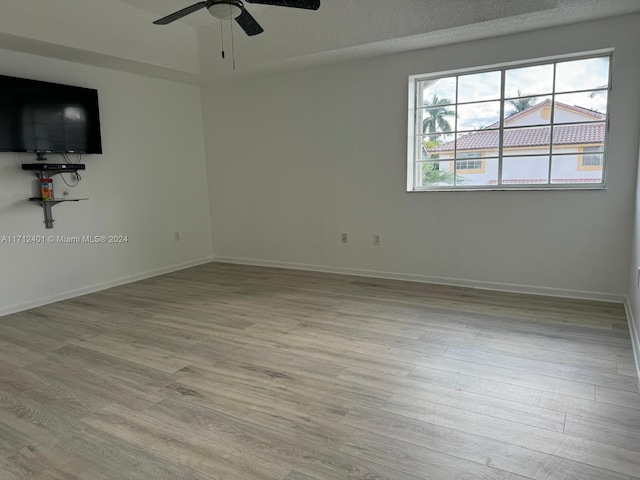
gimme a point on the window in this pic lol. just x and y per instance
(469, 164)
(527, 125)
(591, 158)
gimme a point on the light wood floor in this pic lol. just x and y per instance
(231, 372)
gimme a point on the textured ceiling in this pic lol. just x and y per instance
(120, 34)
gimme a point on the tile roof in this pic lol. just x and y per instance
(527, 137)
(595, 115)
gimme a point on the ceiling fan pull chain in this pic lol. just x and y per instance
(222, 37)
(233, 50)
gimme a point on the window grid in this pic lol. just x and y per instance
(550, 152)
(501, 133)
(552, 121)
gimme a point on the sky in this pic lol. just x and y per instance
(483, 89)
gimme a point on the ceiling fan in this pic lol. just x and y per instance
(225, 9)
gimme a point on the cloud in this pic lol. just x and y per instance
(483, 89)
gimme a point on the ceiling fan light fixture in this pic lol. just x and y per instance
(225, 9)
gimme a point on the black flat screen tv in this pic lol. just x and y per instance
(40, 116)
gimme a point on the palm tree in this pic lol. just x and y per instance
(432, 175)
(436, 120)
(522, 104)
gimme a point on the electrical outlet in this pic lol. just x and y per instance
(176, 236)
(344, 238)
(376, 239)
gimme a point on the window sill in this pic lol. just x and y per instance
(509, 189)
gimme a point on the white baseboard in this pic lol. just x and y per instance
(635, 339)
(501, 287)
(102, 286)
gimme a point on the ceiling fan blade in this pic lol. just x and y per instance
(180, 13)
(249, 24)
(308, 4)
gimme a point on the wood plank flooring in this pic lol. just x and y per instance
(237, 373)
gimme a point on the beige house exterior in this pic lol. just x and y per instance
(575, 157)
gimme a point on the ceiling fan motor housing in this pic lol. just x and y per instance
(225, 9)
(234, 10)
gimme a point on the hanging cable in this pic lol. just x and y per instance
(76, 180)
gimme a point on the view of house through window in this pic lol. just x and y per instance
(538, 125)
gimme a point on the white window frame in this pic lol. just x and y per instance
(502, 67)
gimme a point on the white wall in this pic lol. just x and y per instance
(633, 301)
(107, 33)
(298, 158)
(150, 182)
